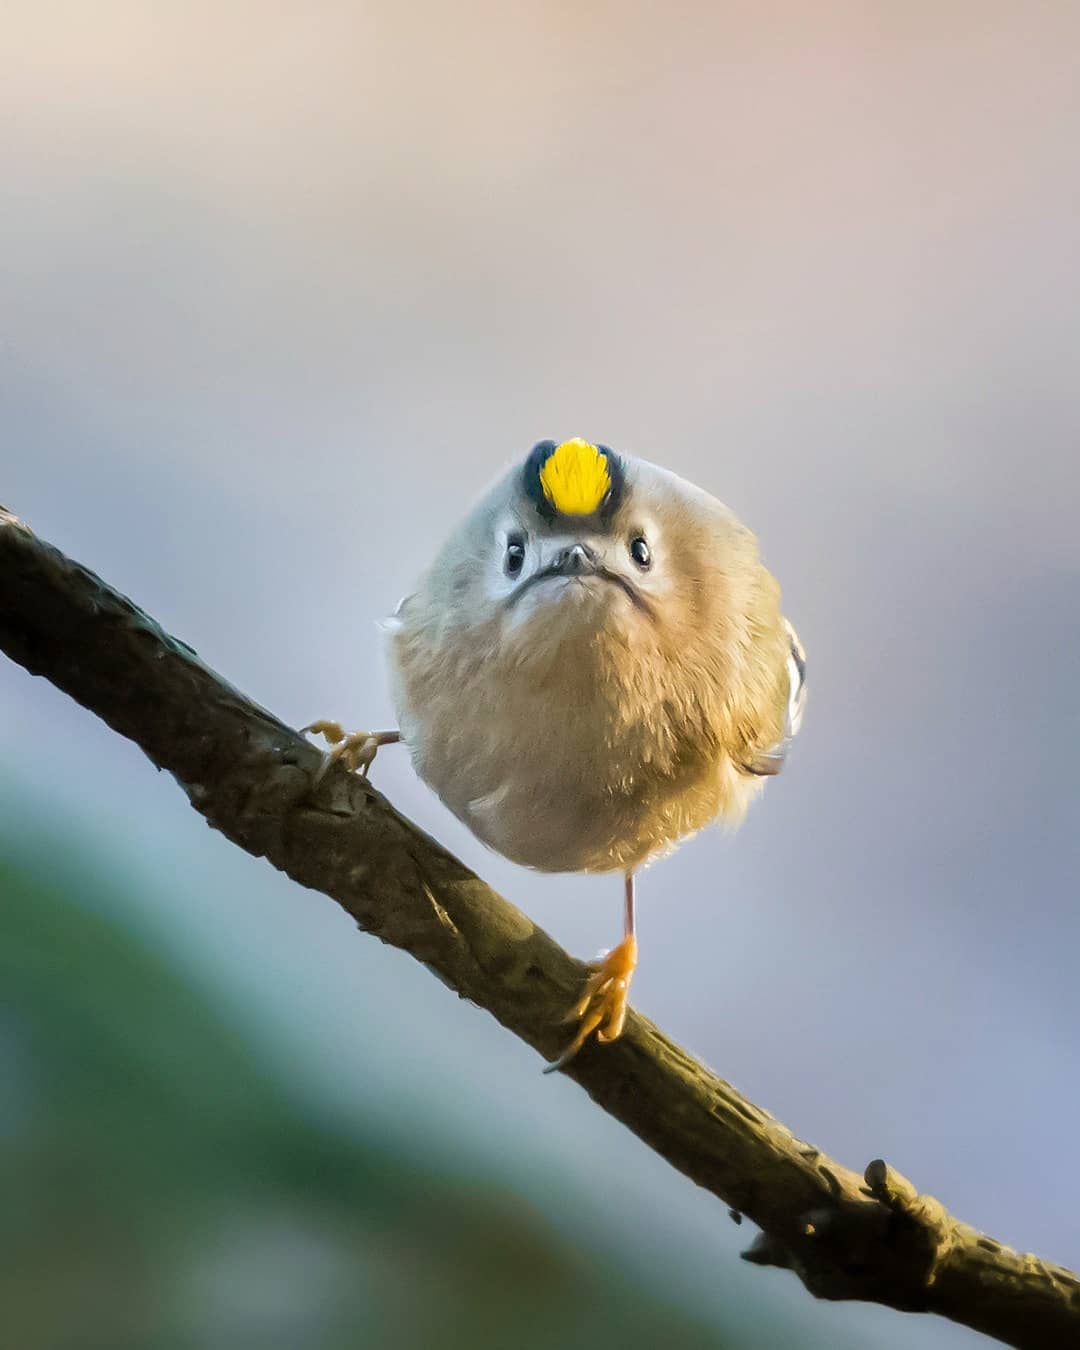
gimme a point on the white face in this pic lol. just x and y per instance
(572, 578)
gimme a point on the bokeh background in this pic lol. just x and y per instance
(283, 287)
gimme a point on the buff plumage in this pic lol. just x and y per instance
(594, 667)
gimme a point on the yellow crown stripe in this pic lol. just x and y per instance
(575, 478)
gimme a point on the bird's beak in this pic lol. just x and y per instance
(575, 561)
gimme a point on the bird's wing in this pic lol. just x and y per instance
(770, 762)
(394, 621)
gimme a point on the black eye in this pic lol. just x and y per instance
(514, 559)
(639, 551)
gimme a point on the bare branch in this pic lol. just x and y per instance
(847, 1236)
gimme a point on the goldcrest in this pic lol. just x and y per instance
(594, 667)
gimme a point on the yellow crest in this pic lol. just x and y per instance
(575, 478)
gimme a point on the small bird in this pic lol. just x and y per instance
(593, 668)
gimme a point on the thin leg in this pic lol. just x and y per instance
(356, 749)
(602, 1007)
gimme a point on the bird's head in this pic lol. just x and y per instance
(573, 548)
(579, 546)
(580, 554)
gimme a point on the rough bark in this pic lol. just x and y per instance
(847, 1236)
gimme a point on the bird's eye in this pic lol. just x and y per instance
(639, 551)
(514, 558)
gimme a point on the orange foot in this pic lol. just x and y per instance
(602, 1007)
(356, 749)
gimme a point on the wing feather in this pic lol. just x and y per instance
(769, 762)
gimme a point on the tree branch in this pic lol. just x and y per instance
(846, 1236)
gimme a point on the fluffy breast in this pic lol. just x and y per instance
(588, 757)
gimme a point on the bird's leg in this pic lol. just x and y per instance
(602, 1006)
(356, 749)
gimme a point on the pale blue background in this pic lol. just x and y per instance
(284, 286)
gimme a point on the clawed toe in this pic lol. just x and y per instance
(355, 749)
(603, 1003)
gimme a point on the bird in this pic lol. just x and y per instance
(594, 667)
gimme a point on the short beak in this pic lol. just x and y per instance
(577, 560)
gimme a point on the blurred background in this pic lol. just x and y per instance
(284, 286)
